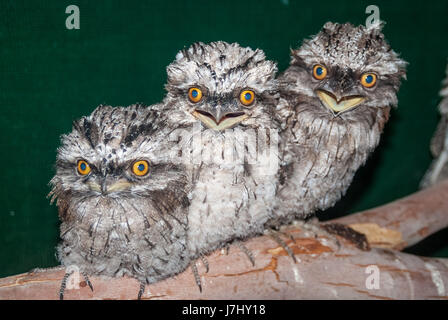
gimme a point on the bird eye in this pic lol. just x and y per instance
(140, 168)
(368, 80)
(319, 72)
(247, 97)
(83, 167)
(195, 95)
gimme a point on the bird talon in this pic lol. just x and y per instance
(87, 280)
(205, 263)
(246, 251)
(64, 284)
(274, 235)
(197, 278)
(141, 290)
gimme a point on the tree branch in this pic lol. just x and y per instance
(404, 222)
(328, 266)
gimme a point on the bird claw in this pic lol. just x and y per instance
(87, 280)
(205, 263)
(141, 290)
(64, 282)
(275, 235)
(197, 278)
(246, 251)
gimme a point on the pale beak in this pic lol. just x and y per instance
(340, 105)
(106, 186)
(219, 122)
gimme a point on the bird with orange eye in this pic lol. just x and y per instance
(218, 116)
(336, 98)
(83, 167)
(140, 168)
(340, 92)
(108, 183)
(224, 88)
(122, 202)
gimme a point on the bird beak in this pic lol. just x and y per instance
(119, 185)
(218, 119)
(338, 105)
(109, 185)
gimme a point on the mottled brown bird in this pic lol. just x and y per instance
(122, 202)
(223, 95)
(336, 97)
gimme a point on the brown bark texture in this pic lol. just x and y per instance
(328, 266)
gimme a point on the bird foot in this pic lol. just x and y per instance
(141, 291)
(65, 279)
(274, 234)
(246, 251)
(196, 275)
(205, 263)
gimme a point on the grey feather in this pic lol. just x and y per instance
(323, 148)
(230, 199)
(114, 222)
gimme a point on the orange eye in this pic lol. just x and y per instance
(247, 97)
(368, 80)
(83, 167)
(319, 72)
(195, 94)
(140, 168)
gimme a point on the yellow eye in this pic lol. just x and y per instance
(140, 168)
(319, 72)
(83, 167)
(368, 80)
(247, 97)
(195, 94)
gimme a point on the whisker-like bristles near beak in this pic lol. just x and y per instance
(337, 106)
(227, 121)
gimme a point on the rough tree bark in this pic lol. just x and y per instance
(404, 222)
(328, 266)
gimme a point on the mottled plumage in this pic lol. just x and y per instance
(439, 143)
(232, 195)
(331, 121)
(115, 220)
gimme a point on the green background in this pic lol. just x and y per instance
(50, 76)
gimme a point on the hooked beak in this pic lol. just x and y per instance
(219, 121)
(338, 105)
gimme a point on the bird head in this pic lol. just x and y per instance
(347, 69)
(221, 85)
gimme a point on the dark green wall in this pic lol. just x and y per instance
(50, 75)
